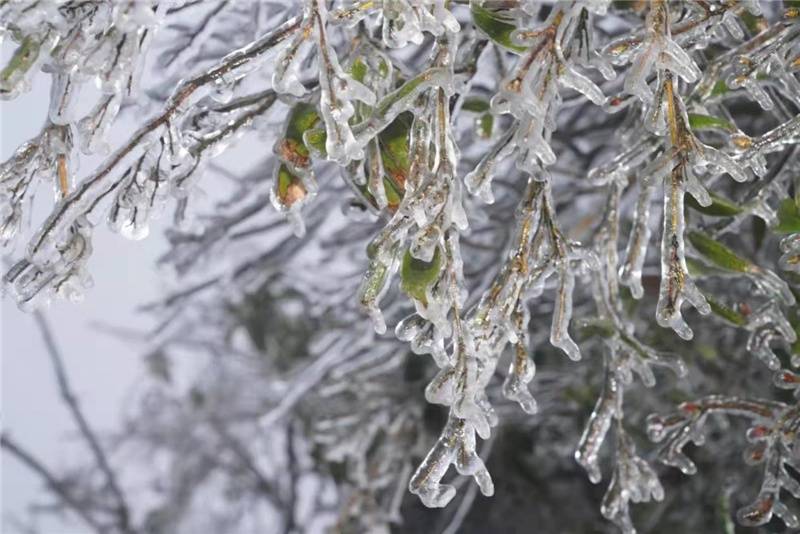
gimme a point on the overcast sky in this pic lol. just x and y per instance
(101, 368)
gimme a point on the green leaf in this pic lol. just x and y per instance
(707, 122)
(358, 70)
(751, 21)
(393, 195)
(285, 179)
(699, 269)
(788, 218)
(719, 89)
(394, 145)
(596, 328)
(315, 140)
(485, 124)
(416, 276)
(290, 186)
(497, 27)
(23, 59)
(302, 118)
(720, 207)
(477, 105)
(373, 282)
(404, 91)
(383, 68)
(723, 311)
(718, 254)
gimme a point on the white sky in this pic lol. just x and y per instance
(101, 368)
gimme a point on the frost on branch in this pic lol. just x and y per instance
(456, 445)
(772, 438)
(446, 198)
(46, 158)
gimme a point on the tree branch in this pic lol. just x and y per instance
(67, 395)
(56, 486)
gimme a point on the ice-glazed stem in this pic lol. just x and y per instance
(93, 189)
(479, 180)
(337, 90)
(594, 434)
(675, 282)
(562, 310)
(630, 273)
(456, 445)
(522, 368)
(562, 313)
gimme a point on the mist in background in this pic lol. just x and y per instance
(101, 367)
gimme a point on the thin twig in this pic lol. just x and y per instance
(233, 444)
(56, 486)
(82, 423)
(94, 188)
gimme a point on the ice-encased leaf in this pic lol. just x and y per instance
(417, 275)
(496, 26)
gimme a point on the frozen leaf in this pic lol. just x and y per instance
(719, 207)
(416, 275)
(788, 217)
(372, 288)
(729, 314)
(707, 122)
(496, 26)
(718, 254)
(14, 76)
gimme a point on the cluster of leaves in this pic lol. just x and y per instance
(490, 153)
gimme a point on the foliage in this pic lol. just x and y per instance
(498, 162)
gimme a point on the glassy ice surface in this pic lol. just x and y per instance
(386, 225)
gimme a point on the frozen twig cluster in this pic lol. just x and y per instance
(440, 116)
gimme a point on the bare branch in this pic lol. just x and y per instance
(86, 431)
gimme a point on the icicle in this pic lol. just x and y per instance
(766, 324)
(562, 314)
(93, 128)
(633, 481)
(15, 77)
(372, 289)
(657, 51)
(375, 174)
(594, 434)
(63, 92)
(676, 285)
(456, 445)
(285, 77)
(64, 275)
(522, 368)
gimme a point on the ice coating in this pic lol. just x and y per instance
(342, 90)
(562, 315)
(676, 285)
(455, 446)
(630, 273)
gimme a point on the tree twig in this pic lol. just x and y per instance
(86, 431)
(56, 486)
